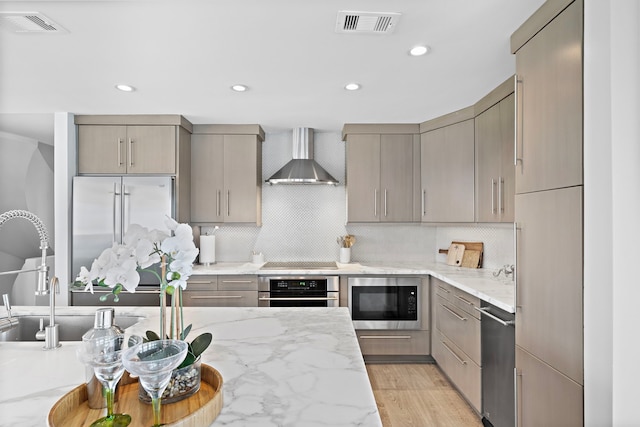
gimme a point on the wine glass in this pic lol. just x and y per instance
(152, 362)
(104, 355)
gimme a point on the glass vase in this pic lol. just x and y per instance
(184, 382)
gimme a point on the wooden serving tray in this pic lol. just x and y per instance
(200, 409)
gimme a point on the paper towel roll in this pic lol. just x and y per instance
(207, 249)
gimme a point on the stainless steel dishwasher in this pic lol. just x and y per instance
(498, 363)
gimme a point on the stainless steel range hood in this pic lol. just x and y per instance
(302, 169)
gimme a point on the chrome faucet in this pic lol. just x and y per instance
(43, 287)
(508, 270)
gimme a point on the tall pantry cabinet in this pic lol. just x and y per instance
(548, 216)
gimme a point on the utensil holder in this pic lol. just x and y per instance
(345, 255)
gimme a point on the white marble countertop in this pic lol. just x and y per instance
(475, 281)
(280, 366)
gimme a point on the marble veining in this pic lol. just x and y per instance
(281, 367)
(479, 282)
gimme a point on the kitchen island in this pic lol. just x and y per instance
(280, 366)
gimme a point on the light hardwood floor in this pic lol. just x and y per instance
(418, 395)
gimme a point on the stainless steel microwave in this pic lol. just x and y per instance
(385, 302)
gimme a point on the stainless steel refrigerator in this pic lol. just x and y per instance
(104, 207)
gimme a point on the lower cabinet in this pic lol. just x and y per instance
(536, 406)
(456, 340)
(393, 343)
(221, 291)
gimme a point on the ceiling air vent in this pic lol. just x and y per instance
(366, 22)
(29, 22)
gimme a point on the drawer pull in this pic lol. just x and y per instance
(385, 337)
(454, 313)
(464, 300)
(237, 281)
(444, 289)
(299, 299)
(216, 297)
(200, 282)
(462, 362)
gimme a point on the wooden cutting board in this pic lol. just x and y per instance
(455, 254)
(473, 254)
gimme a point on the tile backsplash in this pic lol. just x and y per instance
(302, 222)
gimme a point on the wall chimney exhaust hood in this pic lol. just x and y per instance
(302, 169)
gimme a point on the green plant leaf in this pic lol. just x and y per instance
(187, 361)
(185, 333)
(200, 344)
(152, 336)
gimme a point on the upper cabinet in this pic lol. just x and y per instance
(447, 168)
(138, 144)
(129, 144)
(226, 174)
(494, 137)
(549, 106)
(382, 167)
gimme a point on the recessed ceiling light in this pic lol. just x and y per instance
(125, 88)
(419, 50)
(239, 88)
(352, 86)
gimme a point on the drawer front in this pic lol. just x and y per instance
(460, 328)
(240, 283)
(220, 298)
(466, 302)
(461, 370)
(398, 343)
(442, 289)
(202, 283)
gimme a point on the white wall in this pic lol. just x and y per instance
(612, 203)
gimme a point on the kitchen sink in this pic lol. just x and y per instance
(71, 327)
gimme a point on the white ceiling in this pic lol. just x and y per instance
(183, 55)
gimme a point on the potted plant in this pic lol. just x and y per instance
(119, 268)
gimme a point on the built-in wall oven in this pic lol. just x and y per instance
(298, 291)
(385, 302)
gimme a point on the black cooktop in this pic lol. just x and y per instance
(300, 265)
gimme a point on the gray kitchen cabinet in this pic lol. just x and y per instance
(545, 396)
(447, 171)
(221, 291)
(456, 339)
(226, 174)
(549, 105)
(548, 216)
(495, 171)
(380, 173)
(549, 278)
(126, 149)
(138, 144)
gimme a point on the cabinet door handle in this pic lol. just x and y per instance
(228, 198)
(517, 381)
(462, 361)
(120, 141)
(515, 273)
(518, 96)
(424, 197)
(385, 337)
(216, 297)
(464, 319)
(218, 203)
(385, 202)
(501, 194)
(130, 152)
(375, 203)
(493, 196)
